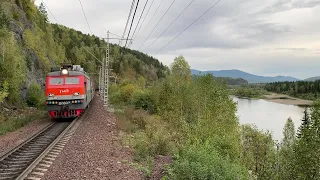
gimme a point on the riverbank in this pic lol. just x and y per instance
(285, 99)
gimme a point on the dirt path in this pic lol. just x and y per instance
(94, 151)
(12, 139)
(285, 99)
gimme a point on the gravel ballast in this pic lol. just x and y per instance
(94, 151)
(13, 139)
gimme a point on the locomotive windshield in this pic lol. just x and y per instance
(61, 81)
(72, 80)
(56, 81)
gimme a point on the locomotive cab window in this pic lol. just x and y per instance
(56, 81)
(72, 80)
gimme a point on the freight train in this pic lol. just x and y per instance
(68, 90)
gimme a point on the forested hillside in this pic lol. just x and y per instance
(301, 89)
(30, 45)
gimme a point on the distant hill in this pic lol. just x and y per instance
(313, 78)
(251, 78)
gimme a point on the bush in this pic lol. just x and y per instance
(202, 161)
(35, 95)
(127, 91)
(4, 91)
(152, 136)
(141, 99)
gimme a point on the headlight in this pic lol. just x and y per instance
(64, 71)
(50, 94)
(76, 94)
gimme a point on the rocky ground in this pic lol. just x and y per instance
(94, 151)
(12, 139)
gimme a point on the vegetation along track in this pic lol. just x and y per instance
(31, 158)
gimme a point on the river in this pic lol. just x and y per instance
(268, 115)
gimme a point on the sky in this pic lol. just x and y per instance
(265, 37)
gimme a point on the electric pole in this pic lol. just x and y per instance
(100, 77)
(106, 78)
(106, 69)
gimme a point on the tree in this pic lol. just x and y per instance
(286, 153)
(307, 148)
(180, 68)
(43, 12)
(304, 127)
(258, 154)
(288, 134)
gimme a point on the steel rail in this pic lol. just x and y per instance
(25, 142)
(34, 164)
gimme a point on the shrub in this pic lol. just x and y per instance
(202, 161)
(141, 99)
(35, 95)
(4, 91)
(152, 138)
(127, 91)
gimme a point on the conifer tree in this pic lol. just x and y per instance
(307, 148)
(305, 124)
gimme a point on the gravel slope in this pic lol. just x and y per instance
(12, 139)
(94, 151)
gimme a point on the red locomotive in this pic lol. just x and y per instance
(69, 90)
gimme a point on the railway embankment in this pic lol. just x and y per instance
(94, 151)
(14, 138)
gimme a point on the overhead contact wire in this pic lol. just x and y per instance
(85, 16)
(145, 17)
(152, 16)
(189, 26)
(132, 22)
(157, 24)
(139, 19)
(171, 23)
(125, 29)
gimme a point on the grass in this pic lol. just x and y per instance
(147, 134)
(12, 124)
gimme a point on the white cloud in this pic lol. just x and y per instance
(262, 37)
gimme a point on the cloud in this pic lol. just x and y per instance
(263, 37)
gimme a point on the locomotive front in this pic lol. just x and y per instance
(67, 91)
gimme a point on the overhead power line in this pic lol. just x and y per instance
(140, 18)
(189, 26)
(49, 11)
(143, 21)
(58, 41)
(134, 14)
(125, 29)
(85, 16)
(171, 23)
(153, 15)
(157, 24)
(114, 34)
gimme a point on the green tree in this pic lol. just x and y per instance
(307, 148)
(43, 12)
(286, 154)
(258, 154)
(180, 68)
(35, 95)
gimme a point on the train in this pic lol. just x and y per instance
(68, 90)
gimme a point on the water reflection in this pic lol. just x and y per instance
(268, 115)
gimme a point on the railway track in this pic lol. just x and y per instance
(31, 158)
